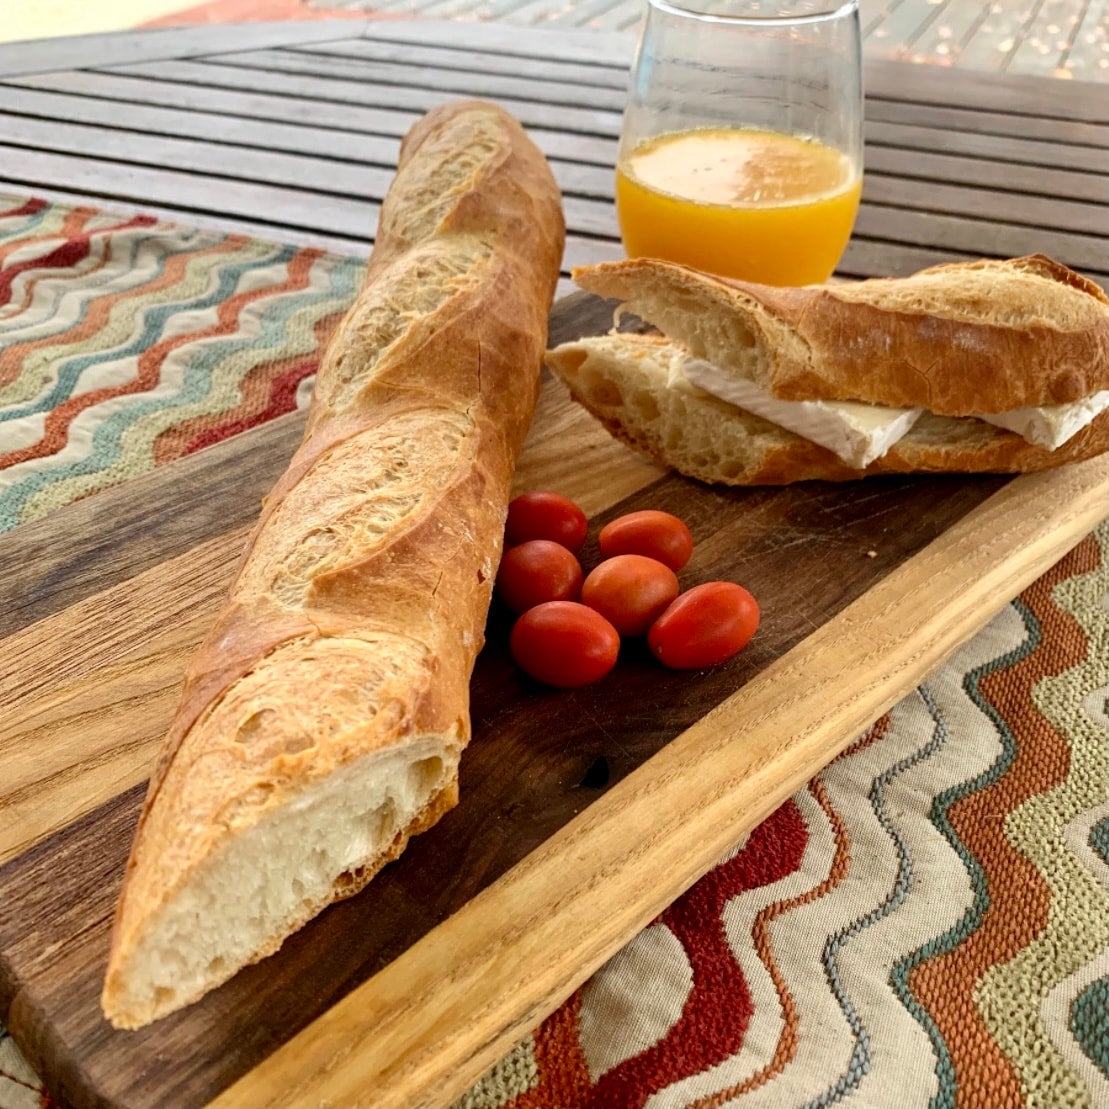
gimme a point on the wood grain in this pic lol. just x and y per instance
(526, 773)
(98, 542)
(93, 687)
(429, 1024)
(55, 53)
(950, 174)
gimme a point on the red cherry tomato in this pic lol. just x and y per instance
(535, 572)
(631, 591)
(564, 644)
(705, 625)
(545, 516)
(651, 533)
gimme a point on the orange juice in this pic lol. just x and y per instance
(758, 205)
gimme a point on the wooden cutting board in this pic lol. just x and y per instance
(583, 813)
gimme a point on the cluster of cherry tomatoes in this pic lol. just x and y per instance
(570, 624)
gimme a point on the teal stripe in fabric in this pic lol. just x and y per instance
(195, 385)
(1089, 1023)
(945, 1096)
(154, 322)
(1089, 1016)
(20, 227)
(859, 1063)
(1099, 838)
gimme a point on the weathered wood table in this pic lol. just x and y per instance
(290, 133)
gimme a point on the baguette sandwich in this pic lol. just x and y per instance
(323, 718)
(988, 366)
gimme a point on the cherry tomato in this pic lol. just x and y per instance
(538, 571)
(564, 644)
(651, 533)
(631, 591)
(705, 625)
(545, 516)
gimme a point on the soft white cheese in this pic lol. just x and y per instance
(1052, 425)
(857, 433)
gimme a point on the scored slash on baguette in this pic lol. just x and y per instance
(323, 717)
(959, 339)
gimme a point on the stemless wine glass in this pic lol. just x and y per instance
(741, 150)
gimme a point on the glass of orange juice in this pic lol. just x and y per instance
(741, 149)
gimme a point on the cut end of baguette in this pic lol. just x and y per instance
(264, 882)
(633, 385)
(710, 318)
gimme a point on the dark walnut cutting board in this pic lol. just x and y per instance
(583, 813)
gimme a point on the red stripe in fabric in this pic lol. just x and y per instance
(29, 207)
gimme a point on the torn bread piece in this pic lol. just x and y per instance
(953, 357)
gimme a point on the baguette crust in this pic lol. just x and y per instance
(960, 339)
(358, 608)
(633, 385)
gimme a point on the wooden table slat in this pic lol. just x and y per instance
(1045, 212)
(866, 258)
(553, 115)
(1094, 160)
(50, 54)
(283, 206)
(605, 48)
(333, 176)
(89, 88)
(354, 245)
(360, 180)
(1031, 97)
(343, 166)
(966, 119)
(269, 122)
(480, 81)
(219, 130)
(990, 160)
(429, 56)
(946, 232)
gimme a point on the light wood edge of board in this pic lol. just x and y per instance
(434, 1020)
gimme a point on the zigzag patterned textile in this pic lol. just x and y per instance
(129, 342)
(924, 925)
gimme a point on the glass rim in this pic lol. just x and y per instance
(833, 10)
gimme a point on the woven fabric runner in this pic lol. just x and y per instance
(129, 342)
(925, 924)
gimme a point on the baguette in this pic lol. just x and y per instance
(966, 343)
(634, 386)
(323, 717)
(958, 339)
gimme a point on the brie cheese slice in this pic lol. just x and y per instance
(1052, 425)
(857, 433)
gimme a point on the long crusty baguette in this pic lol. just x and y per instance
(959, 339)
(323, 718)
(633, 384)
